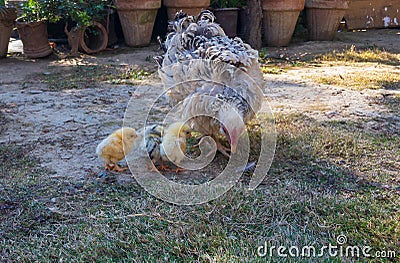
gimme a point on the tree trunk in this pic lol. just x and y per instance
(250, 23)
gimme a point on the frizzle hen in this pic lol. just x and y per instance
(212, 75)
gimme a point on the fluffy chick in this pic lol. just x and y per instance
(150, 145)
(116, 146)
(174, 143)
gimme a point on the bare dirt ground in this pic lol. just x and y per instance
(63, 126)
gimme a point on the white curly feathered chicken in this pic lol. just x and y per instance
(211, 74)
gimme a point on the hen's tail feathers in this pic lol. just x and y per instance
(179, 15)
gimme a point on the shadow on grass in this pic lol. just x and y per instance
(390, 85)
(3, 118)
(392, 102)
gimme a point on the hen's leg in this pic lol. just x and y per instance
(222, 149)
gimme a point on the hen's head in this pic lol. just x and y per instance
(231, 126)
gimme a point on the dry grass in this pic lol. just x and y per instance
(271, 70)
(387, 77)
(327, 179)
(359, 80)
(319, 186)
(354, 55)
(86, 76)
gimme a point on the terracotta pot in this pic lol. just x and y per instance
(94, 38)
(137, 20)
(6, 24)
(34, 39)
(323, 18)
(280, 18)
(192, 8)
(227, 18)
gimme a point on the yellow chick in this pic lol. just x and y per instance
(116, 146)
(174, 143)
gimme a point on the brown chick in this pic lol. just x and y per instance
(116, 146)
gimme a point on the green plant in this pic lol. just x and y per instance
(227, 3)
(79, 11)
(36, 10)
(83, 12)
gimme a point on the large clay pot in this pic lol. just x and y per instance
(192, 8)
(7, 19)
(227, 18)
(137, 20)
(323, 18)
(34, 39)
(280, 18)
